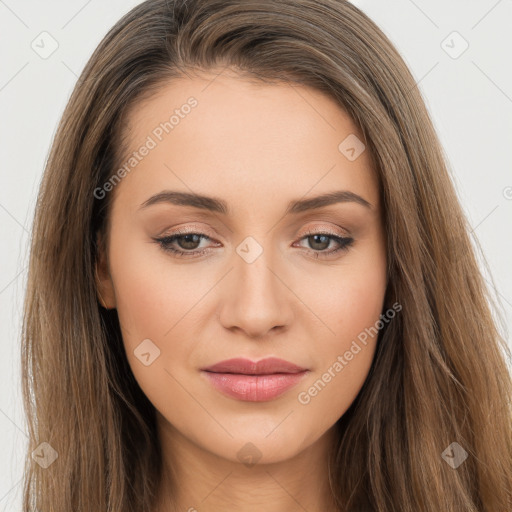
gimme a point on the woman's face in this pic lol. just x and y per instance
(268, 271)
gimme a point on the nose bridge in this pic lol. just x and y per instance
(256, 300)
(253, 268)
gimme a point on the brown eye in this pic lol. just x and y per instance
(183, 244)
(319, 242)
(189, 241)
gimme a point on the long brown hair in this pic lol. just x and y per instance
(439, 375)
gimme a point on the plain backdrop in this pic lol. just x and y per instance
(458, 51)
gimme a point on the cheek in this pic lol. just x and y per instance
(152, 295)
(351, 306)
(159, 302)
(343, 360)
(348, 300)
(327, 396)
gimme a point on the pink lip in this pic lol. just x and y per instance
(263, 367)
(254, 381)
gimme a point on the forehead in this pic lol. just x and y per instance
(223, 135)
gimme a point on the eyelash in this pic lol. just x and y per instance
(165, 243)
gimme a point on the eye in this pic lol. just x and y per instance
(187, 243)
(319, 241)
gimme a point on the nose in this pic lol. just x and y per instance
(255, 297)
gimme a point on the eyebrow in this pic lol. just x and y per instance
(217, 205)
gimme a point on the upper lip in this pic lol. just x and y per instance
(266, 366)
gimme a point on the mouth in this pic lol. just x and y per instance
(267, 366)
(250, 381)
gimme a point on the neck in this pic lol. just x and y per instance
(196, 479)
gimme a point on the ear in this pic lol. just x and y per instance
(104, 284)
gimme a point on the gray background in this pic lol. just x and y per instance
(469, 96)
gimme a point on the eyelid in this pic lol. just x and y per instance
(193, 229)
(188, 230)
(338, 231)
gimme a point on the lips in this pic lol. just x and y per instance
(254, 381)
(266, 366)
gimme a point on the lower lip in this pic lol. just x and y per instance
(254, 388)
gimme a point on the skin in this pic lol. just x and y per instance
(257, 147)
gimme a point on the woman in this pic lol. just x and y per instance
(252, 285)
